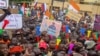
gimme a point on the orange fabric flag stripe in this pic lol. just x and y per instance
(74, 5)
(47, 13)
(16, 49)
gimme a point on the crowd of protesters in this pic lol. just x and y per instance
(27, 42)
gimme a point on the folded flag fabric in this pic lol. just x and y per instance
(66, 10)
(73, 6)
(35, 4)
(63, 28)
(47, 13)
(58, 40)
(94, 36)
(16, 49)
(98, 41)
(89, 33)
(44, 7)
(71, 46)
(97, 35)
(1, 31)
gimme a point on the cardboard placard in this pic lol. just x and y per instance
(74, 16)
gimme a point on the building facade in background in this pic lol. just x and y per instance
(90, 6)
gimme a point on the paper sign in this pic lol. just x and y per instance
(1, 31)
(15, 21)
(4, 4)
(74, 16)
(51, 26)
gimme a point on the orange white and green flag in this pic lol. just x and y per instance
(73, 6)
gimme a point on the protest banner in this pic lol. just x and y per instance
(4, 4)
(74, 16)
(15, 21)
(97, 23)
(51, 26)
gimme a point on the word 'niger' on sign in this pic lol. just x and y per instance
(1, 3)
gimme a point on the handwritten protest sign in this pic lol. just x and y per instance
(51, 26)
(4, 4)
(15, 21)
(74, 16)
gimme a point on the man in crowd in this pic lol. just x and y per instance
(27, 42)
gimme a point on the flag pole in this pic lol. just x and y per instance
(51, 5)
(63, 4)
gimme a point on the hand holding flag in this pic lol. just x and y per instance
(6, 22)
(89, 33)
(73, 6)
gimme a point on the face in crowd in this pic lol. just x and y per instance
(3, 49)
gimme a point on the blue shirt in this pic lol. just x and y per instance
(67, 28)
(38, 30)
(82, 31)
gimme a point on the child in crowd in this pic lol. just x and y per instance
(75, 39)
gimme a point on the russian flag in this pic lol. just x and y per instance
(73, 6)
(22, 9)
(35, 4)
(44, 7)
